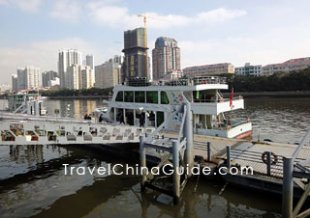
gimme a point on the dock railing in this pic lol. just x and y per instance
(293, 170)
(265, 164)
(296, 169)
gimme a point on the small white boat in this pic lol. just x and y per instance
(31, 104)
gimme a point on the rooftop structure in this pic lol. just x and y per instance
(209, 69)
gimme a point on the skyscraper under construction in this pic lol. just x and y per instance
(136, 61)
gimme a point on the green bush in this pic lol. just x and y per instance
(294, 81)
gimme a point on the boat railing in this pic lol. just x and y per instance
(179, 82)
(138, 82)
(220, 100)
(209, 80)
(195, 81)
(229, 124)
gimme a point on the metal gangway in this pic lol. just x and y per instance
(172, 152)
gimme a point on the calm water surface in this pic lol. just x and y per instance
(32, 180)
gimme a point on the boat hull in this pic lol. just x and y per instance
(245, 135)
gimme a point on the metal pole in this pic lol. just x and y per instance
(142, 161)
(188, 133)
(287, 189)
(209, 151)
(301, 201)
(268, 163)
(176, 176)
(228, 156)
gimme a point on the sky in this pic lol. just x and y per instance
(208, 31)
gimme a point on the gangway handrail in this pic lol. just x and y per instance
(19, 108)
(304, 141)
(182, 124)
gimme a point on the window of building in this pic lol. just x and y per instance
(119, 96)
(152, 97)
(140, 97)
(164, 98)
(128, 96)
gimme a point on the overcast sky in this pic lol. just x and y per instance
(236, 31)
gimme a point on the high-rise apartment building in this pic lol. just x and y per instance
(90, 61)
(79, 77)
(21, 79)
(14, 83)
(47, 77)
(28, 78)
(209, 70)
(86, 77)
(136, 60)
(108, 74)
(67, 58)
(73, 77)
(165, 57)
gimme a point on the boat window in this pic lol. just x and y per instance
(160, 118)
(197, 96)
(128, 96)
(140, 97)
(152, 97)
(188, 96)
(119, 96)
(164, 98)
(203, 96)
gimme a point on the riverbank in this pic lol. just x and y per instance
(80, 97)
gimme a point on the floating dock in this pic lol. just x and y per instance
(25, 130)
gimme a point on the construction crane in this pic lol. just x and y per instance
(145, 41)
(144, 19)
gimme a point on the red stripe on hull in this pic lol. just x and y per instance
(244, 135)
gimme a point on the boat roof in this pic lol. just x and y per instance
(188, 84)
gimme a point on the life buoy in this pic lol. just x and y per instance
(273, 157)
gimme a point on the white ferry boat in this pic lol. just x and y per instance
(152, 104)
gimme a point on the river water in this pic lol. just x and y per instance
(32, 180)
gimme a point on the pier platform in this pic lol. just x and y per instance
(25, 130)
